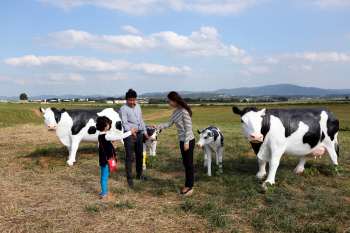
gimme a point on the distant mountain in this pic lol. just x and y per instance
(269, 90)
(282, 89)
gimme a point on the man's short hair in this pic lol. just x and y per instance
(131, 94)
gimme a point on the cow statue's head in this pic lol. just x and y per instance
(51, 117)
(251, 119)
(152, 133)
(206, 136)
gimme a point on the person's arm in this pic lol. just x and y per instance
(124, 117)
(113, 137)
(187, 126)
(165, 125)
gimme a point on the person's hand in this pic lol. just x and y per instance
(146, 136)
(153, 126)
(133, 131)
(186, 147)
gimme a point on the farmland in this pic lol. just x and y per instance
(40, 193)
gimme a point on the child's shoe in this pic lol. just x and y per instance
(107, 197)
(110, 194)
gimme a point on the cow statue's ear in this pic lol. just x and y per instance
(42, 110)
(159, 131)
(62, 110)
(263, 112)
(237, 110)
(199, 132)
(211, 134)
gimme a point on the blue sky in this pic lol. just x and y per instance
(107, 46)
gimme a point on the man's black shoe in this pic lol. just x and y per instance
(131, 183)
(142, 178)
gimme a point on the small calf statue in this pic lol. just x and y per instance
(292, 132)
(151, 144)
(211, 140)
(76, 125)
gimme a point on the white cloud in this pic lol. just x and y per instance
(140, 7)
(205, 43)
(91, 64)
(304, 67)
(157, 69)
(64, 76)
(131, 29)
(259, 69)
(326, 4)
(319, 57)
(245, 72)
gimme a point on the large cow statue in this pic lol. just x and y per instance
(211, 140)
(292, 132)
(76, 125)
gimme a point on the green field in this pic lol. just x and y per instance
(39, 193)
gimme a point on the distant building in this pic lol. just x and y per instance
(119, 101)
(107, 101)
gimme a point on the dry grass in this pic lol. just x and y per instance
(39, 193)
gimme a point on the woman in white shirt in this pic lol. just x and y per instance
(182, 118)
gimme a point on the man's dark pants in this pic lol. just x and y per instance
(133, 144)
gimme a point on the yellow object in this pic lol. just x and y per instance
(144, 158)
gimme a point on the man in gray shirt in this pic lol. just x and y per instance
(131, 116)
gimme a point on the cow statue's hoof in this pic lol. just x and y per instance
(144, 167)
(298, 170)
(260, 175)
(70, 163)
(209, 174)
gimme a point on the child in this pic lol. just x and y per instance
(106, 150)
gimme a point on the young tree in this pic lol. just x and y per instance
(23, 96)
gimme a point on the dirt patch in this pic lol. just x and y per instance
(37, 112)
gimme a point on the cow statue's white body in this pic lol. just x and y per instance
(211, 140)
(151, 144)
(291, 132)
(76, 125)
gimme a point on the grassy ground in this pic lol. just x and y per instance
(39, 193)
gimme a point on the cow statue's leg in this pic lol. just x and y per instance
(144, 156)
(153, 148)
(219, 158)
(262, 171)
(333, 152)
(276, 155)
(205, 157)
(73, 150)
(300, 168)
(207, 151)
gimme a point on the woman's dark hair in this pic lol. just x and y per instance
(131, 94)
(174, 96)
(102, 122)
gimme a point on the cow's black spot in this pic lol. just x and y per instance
(322, 136)
(256, 147)
(58, 113)
(92, 130)
(118, 125)
(332, 125)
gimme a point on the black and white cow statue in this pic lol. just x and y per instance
(76, 125)
(293, 132)
(151, 144)
(211, 140)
